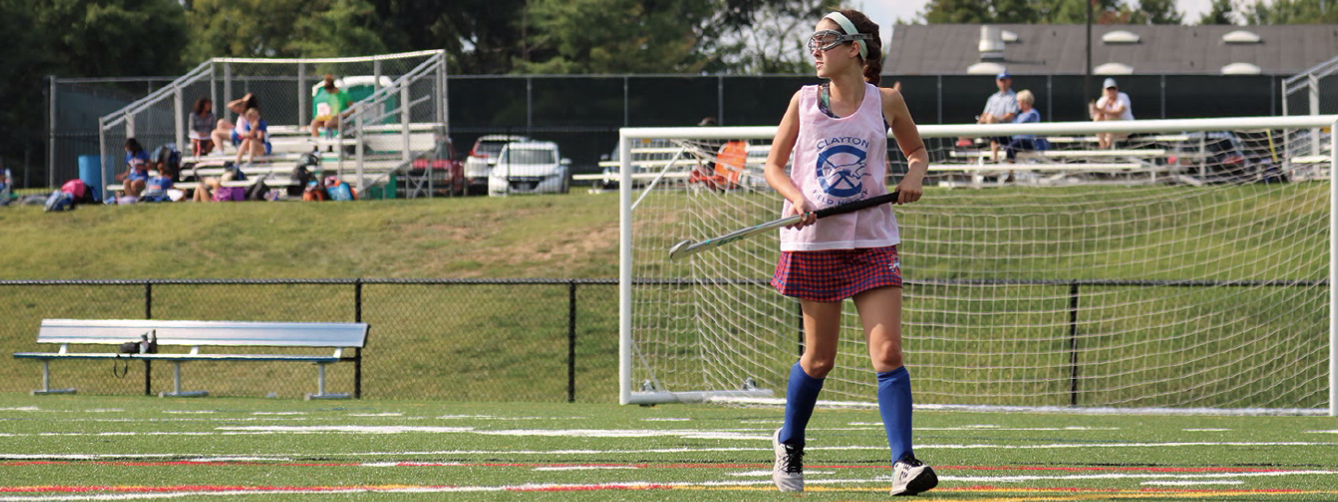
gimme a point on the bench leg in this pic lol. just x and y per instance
(176, 385)
(320, 386)
(46, 382)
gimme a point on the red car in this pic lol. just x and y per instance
(446, 170)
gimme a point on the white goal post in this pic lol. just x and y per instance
(1188, 266)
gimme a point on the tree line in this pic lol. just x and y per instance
(111, 38)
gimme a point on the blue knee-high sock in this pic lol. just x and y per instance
(894, 404)
(800, 398)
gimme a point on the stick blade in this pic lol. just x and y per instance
(675, 251)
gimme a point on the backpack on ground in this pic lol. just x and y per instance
(258, 189)
(59, 201)
(302, 173)
(338, 189)
(79, 191)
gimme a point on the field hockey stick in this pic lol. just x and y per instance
(687, 248)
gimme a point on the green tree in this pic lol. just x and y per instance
(959, 12)
(612, 36)
(1156, 12)
(107, 38)
(1219, 12)
(770, 39)
(1075, 12)
(76, 38)
(1292, 12)
(479, 36)
(282, 28)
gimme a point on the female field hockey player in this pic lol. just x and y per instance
(838, 134)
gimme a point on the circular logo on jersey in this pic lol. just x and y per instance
(840, 170)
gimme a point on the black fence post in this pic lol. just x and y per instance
(357, 351)
(148, 314)
(571, 341)
(1073, 344)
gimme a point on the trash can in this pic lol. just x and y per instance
(386, 191)
(90, 171)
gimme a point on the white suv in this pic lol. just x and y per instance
(530, 167)
(482, 157)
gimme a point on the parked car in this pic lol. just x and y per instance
(482, 157)
(525, 167)
(447, 170)
(1216, 157)
(646, 165)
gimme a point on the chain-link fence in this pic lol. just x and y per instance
(462, 340)
(1314, 92)
(583, 113)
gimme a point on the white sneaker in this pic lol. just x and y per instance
(788, 471)
(911, 476)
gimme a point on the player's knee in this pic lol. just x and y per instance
(889, 360)
(818, 367)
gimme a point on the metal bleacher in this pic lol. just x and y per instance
(400, 118)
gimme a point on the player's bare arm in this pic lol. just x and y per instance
(908, 139)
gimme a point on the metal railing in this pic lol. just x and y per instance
(283, 86)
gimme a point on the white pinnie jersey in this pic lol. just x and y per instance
(839, 160)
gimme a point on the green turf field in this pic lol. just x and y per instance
(130, 448)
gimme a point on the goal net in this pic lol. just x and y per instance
(1185, 266)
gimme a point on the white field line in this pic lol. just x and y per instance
(576, 452)
(1191, 483)
(494, 417)
(778, 402)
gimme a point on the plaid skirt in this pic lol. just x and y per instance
(836, 274)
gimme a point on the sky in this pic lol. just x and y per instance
(887, 12)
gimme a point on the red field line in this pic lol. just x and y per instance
(650, 466)
(618, 487)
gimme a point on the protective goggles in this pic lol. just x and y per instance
(827, 40)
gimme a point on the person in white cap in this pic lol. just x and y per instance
(1113, 105)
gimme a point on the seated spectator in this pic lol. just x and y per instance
(156, 189)
(6, 186)
(227, 132)
(1025, 142)
(1113, 105)
(331, 106)
(137, 168)
(254, 137)
(202, 122)
(1000, 108)
(209, 185)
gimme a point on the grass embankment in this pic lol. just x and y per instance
(570, 236)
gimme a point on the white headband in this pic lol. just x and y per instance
(849, 28)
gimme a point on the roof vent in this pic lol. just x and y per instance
(986, 68)
(1113, 69)
(1241, 69)
(1009, 37)
(1241, 37)
(1120, 37)
(991, 43)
